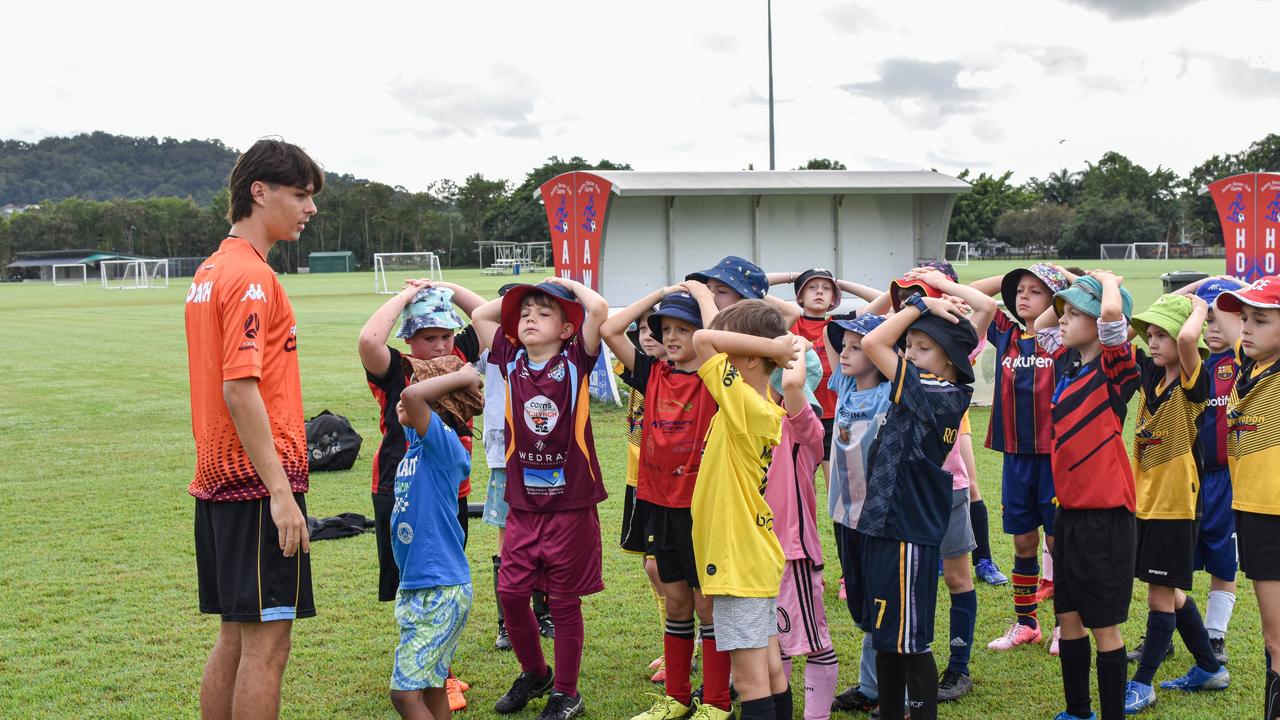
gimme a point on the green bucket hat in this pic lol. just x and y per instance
(1085, 294)
(812, 376)
(1169, 313)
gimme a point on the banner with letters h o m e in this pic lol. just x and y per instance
(1249, 212)
(576, 204)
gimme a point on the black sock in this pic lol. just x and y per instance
(981, 531)
(497, 563)
(758, 709)
(1074, 658)
(1112, 668)
(1194, 636)
(782, 703)
(1160, 626)
(891, 675)
(922, 685)
(1271, 696)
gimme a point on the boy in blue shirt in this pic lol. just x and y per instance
(426, 539)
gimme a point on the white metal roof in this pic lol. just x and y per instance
(779, 182)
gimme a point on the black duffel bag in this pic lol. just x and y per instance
(332, 444)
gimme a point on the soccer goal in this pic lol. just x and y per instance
(134, 274)
(1117, 251)
(71, 274)
(1151, 250)
(958, 253)
(390, 270)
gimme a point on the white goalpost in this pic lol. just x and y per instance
(390, 270)
(1117, 251)
(1151, 250)
(134, 274)
(71, 274)
(958, 253)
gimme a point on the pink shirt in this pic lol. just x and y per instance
(789, 487)
(954, 464)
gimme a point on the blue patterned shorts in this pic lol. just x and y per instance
(495, 501)
(431, 622)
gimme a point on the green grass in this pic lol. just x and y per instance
(97, 585)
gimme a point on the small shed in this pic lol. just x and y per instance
(332, 261)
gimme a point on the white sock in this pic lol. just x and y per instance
(1046, 565)
(1218, 613)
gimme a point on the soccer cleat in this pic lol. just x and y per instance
(1219, 647)
(953, 685)
(666, 708)
(504, 640)
(657, 662)
(1064, 715)
(526, 687)
(1045, 592)
(702, 711)
(659, 677)
(844, 594)
(546, 627)
(463, 685)
(1196, 680)
(1053, 644)
(453, 688)
(853, 700)
(989, 573)
(1017, 634)
(1135, 654)
(1138, 697)
(562, 706)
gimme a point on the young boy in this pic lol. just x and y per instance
(546, 339)
(802, 619)
(740, 561)
(1254, 454)
(909, 496)
(434, 597)
(1020, 429)
(679, 411)
(1094, 531)
(1166, 472)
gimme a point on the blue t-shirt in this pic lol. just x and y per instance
(426, 538)
(858, 417)
(908, 492)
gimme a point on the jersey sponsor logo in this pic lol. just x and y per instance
(407, 467)
(1240, 424)
(730, 374)
(200, 292)
(248, 345)
(541, 414)
(544, 478)
(670, 403)
(528, 457)
(1027, 361)
(291, 344)
(404, 533)
(253, 292)
(1219, 401)
(251, 326)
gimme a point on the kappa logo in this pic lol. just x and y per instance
(404, 533)
(253, 292)
(251, 326)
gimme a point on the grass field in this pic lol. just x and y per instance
(97, 585)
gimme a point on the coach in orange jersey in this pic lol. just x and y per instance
(252, 562)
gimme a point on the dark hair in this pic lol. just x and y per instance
(1075, 270)
(752, 317)
(544, 300)
(943, 267)
(274, 162)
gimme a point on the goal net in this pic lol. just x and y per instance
(134, 274)
(958, 253)
(71, 274)
(390, 270)
(1151, 250)
(1117, 251)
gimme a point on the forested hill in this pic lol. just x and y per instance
(102, 166)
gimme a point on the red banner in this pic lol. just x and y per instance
(1236, 200)
(576, 204)
(557, 198)
(1268, 224)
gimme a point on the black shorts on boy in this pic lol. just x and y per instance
(1093, 559)
(1165, 552)
(1258, 536)
(669, 539)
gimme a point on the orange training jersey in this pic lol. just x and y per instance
(240, 325)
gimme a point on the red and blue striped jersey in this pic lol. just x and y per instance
(1021, 421)
(1221, 371)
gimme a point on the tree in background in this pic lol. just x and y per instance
(973, 220)
(1037, 229)
(1101, 220)
(1061, 186)
(1116, 177)
(823, 164)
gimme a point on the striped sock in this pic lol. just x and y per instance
(1026, 579)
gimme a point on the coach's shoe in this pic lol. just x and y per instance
(1219, 647)
(853, 700)
(1138, 697)
(989, 573)
(666, 708)
(702, 711)
(526, 687)
(453, 688)
(1057, 637)
(1064, 715)
(504, 640)
(563, 706)
(1196, 680)
(1017, 634)
(1135, 654)
(1045, 591)
(547, 627)
(953, 685)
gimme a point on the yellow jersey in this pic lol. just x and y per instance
(1166, 473)
(635, 424)
(1253, 438)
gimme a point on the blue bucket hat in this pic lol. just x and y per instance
(431, 308)
(1085, 294)
(812, 376)
(861, 324)
(745, 277)
(679, 306)
(1213, 287)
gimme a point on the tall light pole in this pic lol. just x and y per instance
(769, 11)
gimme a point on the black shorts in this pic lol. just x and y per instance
(669, 539)
(1093, 561)
(241, 573)
(901, 594)
(1166, 552)
(633, 538)
(388, 573)
(1258, 536)
(849, 549)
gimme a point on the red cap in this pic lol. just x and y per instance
(902, 288)
(1263, 293)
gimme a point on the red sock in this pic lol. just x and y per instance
(566, 613)
(522, 628)
(715, 671)
(677, 649)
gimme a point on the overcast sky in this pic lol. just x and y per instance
(408, 93)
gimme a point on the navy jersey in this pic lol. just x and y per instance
(908, 492)
(1220, 370)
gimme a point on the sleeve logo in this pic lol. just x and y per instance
(254, 292)
(251, 326)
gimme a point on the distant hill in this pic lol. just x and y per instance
(102, 166)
